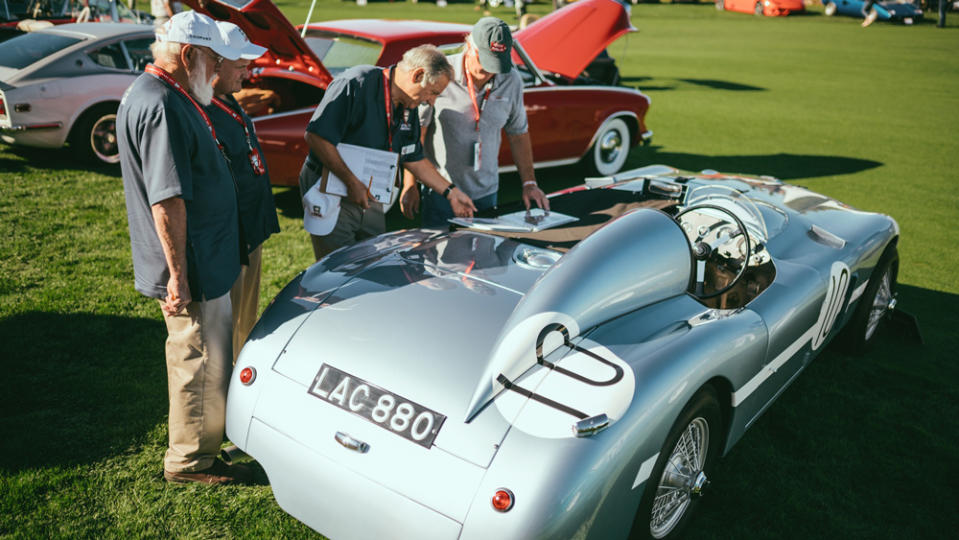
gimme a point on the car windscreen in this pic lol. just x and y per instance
(339, 53)
(21, 51)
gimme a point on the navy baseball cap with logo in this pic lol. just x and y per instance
(494, 42)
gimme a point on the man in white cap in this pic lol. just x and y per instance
(462, 129)
(234, 129)
(184, 234)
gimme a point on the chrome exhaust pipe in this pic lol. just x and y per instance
(232, 454)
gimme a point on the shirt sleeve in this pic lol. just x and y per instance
(517, 123)
(165, 142)
(332, 115)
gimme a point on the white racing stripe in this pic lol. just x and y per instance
(740, 395)
(856, 294)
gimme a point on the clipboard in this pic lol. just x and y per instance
(378, 167)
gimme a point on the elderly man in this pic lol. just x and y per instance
(234, 129)
(184, 233)
(374, 108)
(462, 130)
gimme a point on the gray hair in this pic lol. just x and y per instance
(166, 51)
(429, 58)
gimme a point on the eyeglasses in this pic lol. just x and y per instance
(217, 59)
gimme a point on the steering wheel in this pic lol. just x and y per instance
(710, 235)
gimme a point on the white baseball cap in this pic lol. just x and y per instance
(320, 211)
(236, 39)
(192, 28)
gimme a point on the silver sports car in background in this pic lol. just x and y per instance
(64, 83)
(571, 375)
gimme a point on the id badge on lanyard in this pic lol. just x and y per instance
(477, 155)
(256, 160)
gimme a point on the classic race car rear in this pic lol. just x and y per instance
(469, 384)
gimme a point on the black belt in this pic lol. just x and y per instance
(313, 166)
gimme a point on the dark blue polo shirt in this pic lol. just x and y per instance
(353, 111)
(166, 150)
(257, 209)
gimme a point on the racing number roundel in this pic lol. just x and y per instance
(833, 302)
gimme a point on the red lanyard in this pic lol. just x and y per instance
(165, 77)
(477, 108)
(233, 114)
(388, 105)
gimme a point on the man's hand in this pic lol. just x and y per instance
(177, 296)
(532, 193)
(410, 200)
(359, 194)
(461, 203)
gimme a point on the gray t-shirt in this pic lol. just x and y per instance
(451, 129)
(166, 150)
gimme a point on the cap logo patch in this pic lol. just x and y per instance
(497, 47)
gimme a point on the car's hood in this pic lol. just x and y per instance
(264, 25)
(568, 39)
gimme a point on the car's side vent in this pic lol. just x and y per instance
(826, 238)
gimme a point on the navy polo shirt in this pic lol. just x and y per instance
(353, 111)
(166, 150)
(257, 209)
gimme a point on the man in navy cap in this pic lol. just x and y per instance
(462, 129)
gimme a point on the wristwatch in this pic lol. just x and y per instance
(446, 192)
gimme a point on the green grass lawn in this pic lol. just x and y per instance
(857, 448)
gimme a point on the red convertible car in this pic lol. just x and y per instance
(769, 8)
(572, 116)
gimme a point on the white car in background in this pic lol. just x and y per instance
(62, 85)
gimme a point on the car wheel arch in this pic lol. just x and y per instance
(79, 126)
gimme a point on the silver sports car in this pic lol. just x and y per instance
(571, 375)
(64, 83)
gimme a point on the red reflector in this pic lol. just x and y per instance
(3, 109)
(247, 375)
(502, 499)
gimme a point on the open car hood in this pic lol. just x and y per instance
(264, 25)
(568, 39)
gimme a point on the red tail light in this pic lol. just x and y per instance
(247, 376)
(502, 500)
(3, 108)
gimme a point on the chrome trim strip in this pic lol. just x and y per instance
(589, 87)
(287, 113)
(539, 164)
(745, 390)
(645, 470)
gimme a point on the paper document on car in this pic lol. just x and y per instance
(375, 168)
(523, 221)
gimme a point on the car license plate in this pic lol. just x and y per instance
(390, 411)
(907, 20)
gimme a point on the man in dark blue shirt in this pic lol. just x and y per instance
(374, 108)
(234, 129)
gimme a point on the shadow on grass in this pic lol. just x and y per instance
(782, 166)
(715, 84)
(54, 159)
(78, 387)
(723, 85)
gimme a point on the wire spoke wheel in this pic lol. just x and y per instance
(880, 304)
(682, 478)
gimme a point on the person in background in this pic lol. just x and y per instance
(462, 129)
(184, 236)
(374, 108)
(162, 10)
(869, 12)
(235, 132)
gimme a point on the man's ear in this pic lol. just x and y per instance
(185, 53)
(418, 75)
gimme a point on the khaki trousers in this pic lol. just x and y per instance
(245, 297)
(199, 364)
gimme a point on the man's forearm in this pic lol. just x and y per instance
(424, 171)
(169, 218)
